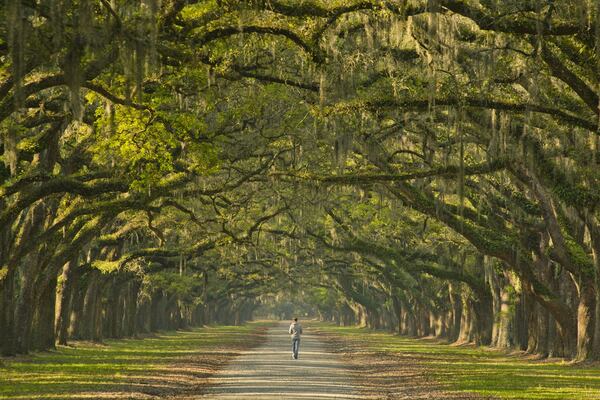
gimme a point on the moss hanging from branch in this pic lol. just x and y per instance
(493, 149)
(85, 21)
(461, 161)
(57, 14)
(322, 84)
(343, 144)
(73, 76)
(432, 34)
(10, 147)
(16, 44)
(596, 139)
(139, 56)
(151, 11)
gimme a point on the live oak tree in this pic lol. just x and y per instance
(425, 166)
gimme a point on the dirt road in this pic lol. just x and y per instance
(269, 372)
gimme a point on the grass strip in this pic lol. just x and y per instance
(167, 364)
(470, 369)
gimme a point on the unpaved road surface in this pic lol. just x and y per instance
(269, 372)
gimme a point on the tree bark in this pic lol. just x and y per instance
(63, 303)
(456, 310)
(585, 320)
(88, 318)
(25, 308)
(8, 338)
(44, 321)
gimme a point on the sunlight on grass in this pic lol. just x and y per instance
(484, 371)
(116, 365)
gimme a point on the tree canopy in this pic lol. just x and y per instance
(429, 166)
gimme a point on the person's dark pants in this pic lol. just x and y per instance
(295, 347)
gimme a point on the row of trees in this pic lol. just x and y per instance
(122, 170)
(425, 166)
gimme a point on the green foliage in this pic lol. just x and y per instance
(142, 147)
(173, 284)
(205, 137)
(106, 267)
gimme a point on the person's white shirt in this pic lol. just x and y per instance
(295, 330)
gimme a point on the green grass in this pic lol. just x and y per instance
(484, 371)
(162, 363)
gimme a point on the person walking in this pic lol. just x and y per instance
(295, 330)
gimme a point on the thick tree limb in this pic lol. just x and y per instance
(560, 70)
(443, 172)
(418, 104)
(60, 185)
(510, 24)
(224, 32)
